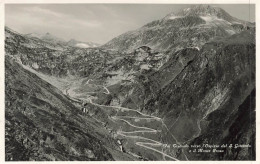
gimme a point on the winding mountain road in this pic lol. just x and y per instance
(149, 143)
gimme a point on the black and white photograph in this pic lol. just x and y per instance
(129, 82)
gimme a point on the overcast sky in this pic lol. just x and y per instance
(97, 22)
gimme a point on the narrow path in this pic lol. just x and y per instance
(124, 109)
(140, 118)
(139, 127)
(107, 93)
(152, 143)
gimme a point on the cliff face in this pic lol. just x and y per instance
(209, 93)
(231, 126)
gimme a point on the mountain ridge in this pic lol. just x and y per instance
(48, 37)
(206, 10)
(199, 21)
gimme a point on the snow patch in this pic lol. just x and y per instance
(231, 32)
(173, 17)
(82, 45)
(207, 18)
(214, 20)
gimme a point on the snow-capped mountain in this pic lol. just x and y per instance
(190, 27)
(205, 11)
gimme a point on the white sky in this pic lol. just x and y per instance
(96, 22)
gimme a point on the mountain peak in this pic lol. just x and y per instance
(49, 37)
(203, 10)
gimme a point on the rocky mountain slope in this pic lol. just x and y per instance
(55, 59)
(201, 96)
(191, 27)
(43, 124)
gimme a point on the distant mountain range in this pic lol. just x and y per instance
(53, 39)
